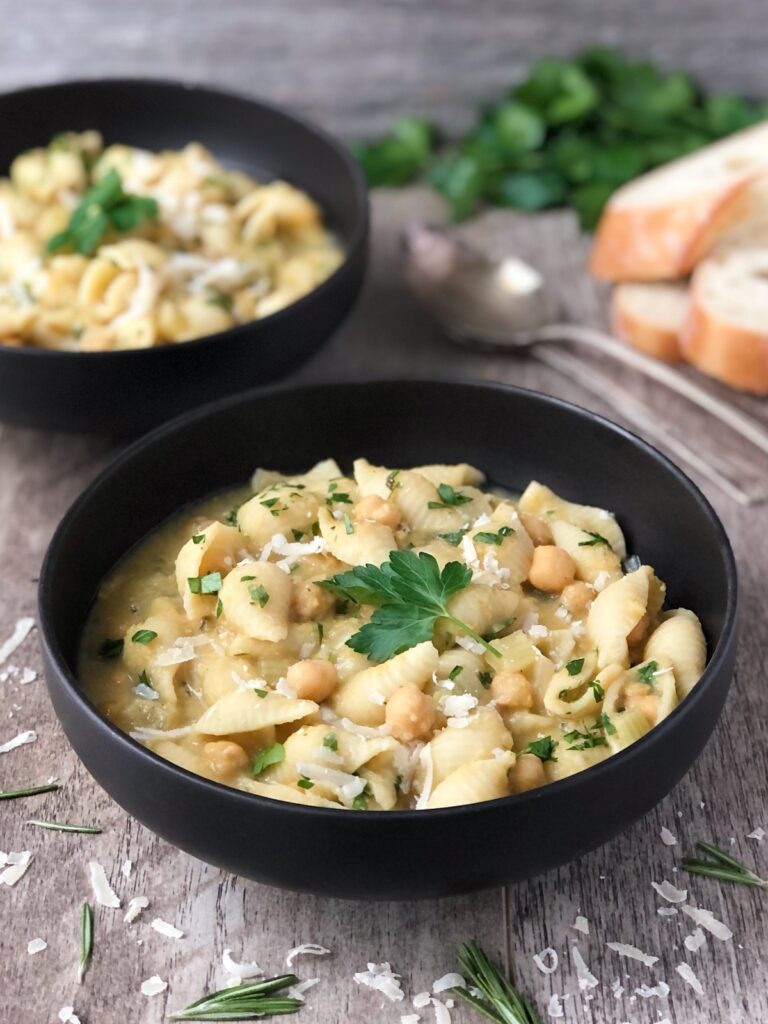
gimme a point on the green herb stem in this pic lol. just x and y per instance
(722, 866)
(18, 794)
(86, 939)
(244, 1002)
(55, 826)
(498, 999)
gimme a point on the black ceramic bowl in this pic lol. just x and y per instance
(128, 392)
(514, 436)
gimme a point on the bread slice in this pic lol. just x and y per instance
(726, 334)
(651, 316)
(660, 225)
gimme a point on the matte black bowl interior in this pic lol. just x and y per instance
(514, 436)
(128, 392)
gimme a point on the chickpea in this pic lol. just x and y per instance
(638, 695)
(312, 679)
(638, 633)
(225, 758)
(512, 690)
(377, 510)
(536, 528)
(308, 601)
(552, 568)
(577, 597)
(410, 714)
(527, 773)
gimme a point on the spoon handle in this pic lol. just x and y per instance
(747, 427)
(635, 414)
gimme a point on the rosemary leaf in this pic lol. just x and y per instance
(86, 939)
(55, 826)
(498, 999)
(16, 794)
(723, 866)
(244, 1002)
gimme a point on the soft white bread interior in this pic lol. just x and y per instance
(660, 225)
(650, 316)
(726, 333)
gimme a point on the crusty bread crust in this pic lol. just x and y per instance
(656, 243)
(652, 337)
(728, 352)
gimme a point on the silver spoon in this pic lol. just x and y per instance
(506, 304)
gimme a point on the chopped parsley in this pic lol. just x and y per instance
(607, 724)
(454, 538)
(449, 498)
(219, 608)
(574, 667)
(111, 649)
(260, 693)
(591, 737)
(597, 691)
(144, 679)
(269, 502)
(222, 300)
(647, 672)
(330, 741)
(267, 756)
(360, 803)
(348, 527)
(595, 538)
(494, 538)
(144, 636)
(297, 534)
(198, 538)
(455, 672)
(320, 632)
(485, 679)
(231, 516)
(209, 584)
(259, 595)
(305, 783)
(544, 749)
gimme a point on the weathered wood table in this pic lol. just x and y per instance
(353, 65)
(724, 796)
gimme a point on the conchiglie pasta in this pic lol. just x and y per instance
(441, 678)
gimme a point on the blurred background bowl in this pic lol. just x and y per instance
(514, 436)
(127, 392)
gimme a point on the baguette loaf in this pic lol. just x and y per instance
(651, 316)
(726, 334)
(660, 225)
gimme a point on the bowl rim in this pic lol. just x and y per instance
(357, 241)
(658, 734)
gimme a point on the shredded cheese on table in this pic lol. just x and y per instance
(102, 891)
(30, 736)
(305, 949)
(382, 978)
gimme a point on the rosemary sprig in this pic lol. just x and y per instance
(86, 939)
(16, 794)
(498, 1000)
(722, 866)
(55, 826)
(244, 1002)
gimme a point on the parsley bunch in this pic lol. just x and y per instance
(568, 135)
(410, 594)
(103, 206)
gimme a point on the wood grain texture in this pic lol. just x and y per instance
(353, 66)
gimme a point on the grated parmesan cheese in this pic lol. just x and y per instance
(581, 924)
(601, 581)
(450, 980)
(661, 990)
(247, 969)
(669, 892)
(442, 1013)
(425, 757)
(695, 940)
(585, 976)
(707, 920)
(666, 911)
(305, 949)
(551, 955)
(758, 834)
(297, 991)
(410, 1018)
(135, 907)
(28, 676)
(555, 1008)
(617, 988)
(668, 838)
(382, 978)
(102, 890)
(687, 974)
(632, 953)
(17, 866)
(281, 686)
(142, 690)
(67, 1015)
(420, 1000)
(21, 631)
(36, 946)
(126, 869)
(164, 928)
(468, 644)
(153, 986)
(18, 741)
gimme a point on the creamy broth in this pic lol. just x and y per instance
(503, 644)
